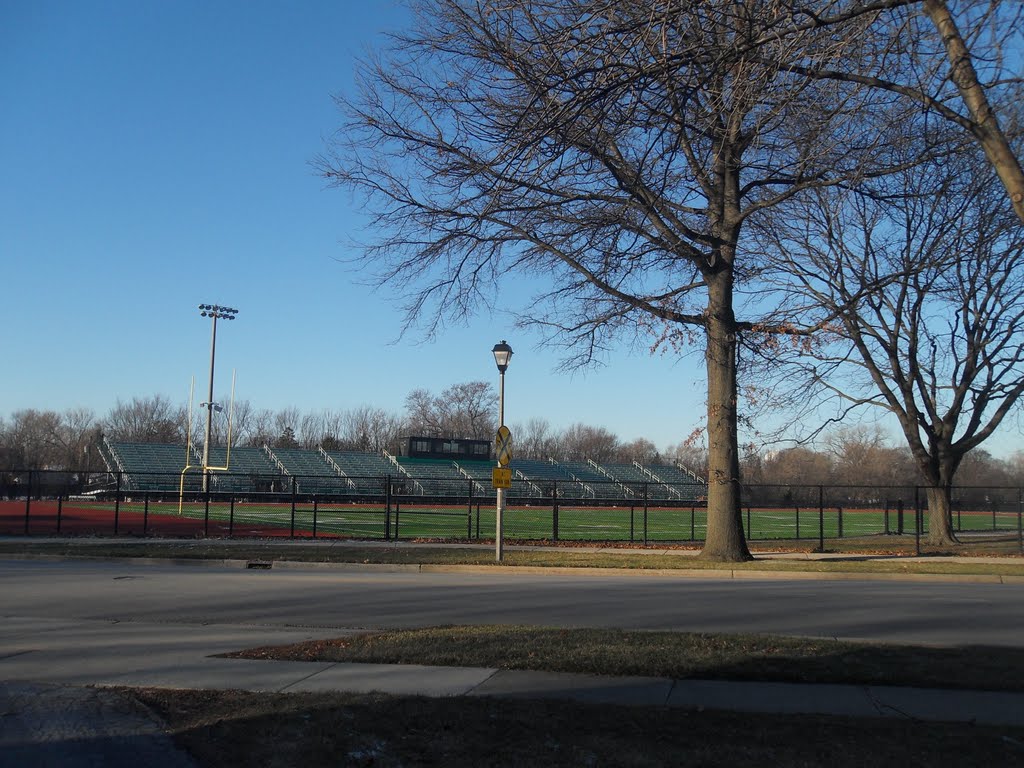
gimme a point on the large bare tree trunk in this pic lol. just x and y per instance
(940, 523)
(725, 540)
(986, 130)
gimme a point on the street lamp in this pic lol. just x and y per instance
(215, 312)
(502, 355)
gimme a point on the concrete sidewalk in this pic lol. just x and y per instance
(101, 654)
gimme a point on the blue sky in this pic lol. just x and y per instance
(155, 156)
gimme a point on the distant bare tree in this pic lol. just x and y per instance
(31, 440)
(467, 410)
(287, 422)
(640, 450)
(372, 429)
(260, 431)
(797, 466)
(146, 420)
(580, 442)
(861, 455)
(534, 440)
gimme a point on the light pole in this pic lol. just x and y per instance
(502, 355)
(215, 312)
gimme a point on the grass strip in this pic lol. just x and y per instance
(654, 558)
(675, 655)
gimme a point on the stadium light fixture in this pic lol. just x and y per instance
(215, 312)
(502, 356)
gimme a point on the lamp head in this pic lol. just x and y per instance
(502, 355)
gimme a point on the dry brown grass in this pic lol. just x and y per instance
(675, 655)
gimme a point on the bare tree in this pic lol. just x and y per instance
(960, 63)
(615, 149)
(861, 455)
(31, 440)
(421, 418)
(146, 420)
(580, 442)
(921, 283)
(372, 429)
(465, 410)
(287, 427)
(797, 466)
(535, 440)
(640, 450)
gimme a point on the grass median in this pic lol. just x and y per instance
(234, 728)
(878, 555)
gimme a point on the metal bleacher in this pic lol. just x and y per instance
(436, 476)
(683, 482)
(158, 467)
(149, 466)
(547, 476)
(313, 472)
(365, 470)
(242, 465)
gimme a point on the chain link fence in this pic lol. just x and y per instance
(42, 502)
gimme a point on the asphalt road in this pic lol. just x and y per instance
(903, 612)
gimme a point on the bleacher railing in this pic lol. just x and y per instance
(44, 502)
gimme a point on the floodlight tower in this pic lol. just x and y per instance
(215, 312)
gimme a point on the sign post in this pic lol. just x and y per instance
(502, 477)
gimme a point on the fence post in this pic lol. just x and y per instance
(917, 521)
(314, 515)
(206, 509)
(645, 513)
(231, 517)
(28, 502)
(60, 509)
(554, 510)
(748, 522)
(145, 513)
(899, 517)
(821, 518)
(117, 502)
(797, 522)
(886, 517)
(1020, 513)
(295, 488)
(693, 522)
(469, 512)
(840, 510)
(387, 507)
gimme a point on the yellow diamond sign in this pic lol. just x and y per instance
(503, 446)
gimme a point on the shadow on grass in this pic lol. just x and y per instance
(231, 729)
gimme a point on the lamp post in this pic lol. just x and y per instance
(215, 312)
(502, 355)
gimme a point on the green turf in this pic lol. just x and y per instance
(571, 523)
